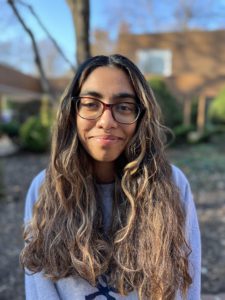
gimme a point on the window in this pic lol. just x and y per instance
(155, 61)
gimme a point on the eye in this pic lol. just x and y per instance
(125, 107)
(89, 103)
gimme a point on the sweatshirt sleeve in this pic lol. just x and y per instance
(194, 240)
(192, 234)
(36, 285)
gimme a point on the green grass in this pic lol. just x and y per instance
(201, 157)
(1, 182)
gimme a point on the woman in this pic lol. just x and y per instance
(111, 219)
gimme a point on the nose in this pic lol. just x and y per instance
(106, 120)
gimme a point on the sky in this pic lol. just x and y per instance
(141, 15)
(56, 17)
(59, 22)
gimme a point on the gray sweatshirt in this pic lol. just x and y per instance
(40, 288)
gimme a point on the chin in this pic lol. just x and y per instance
(107, 158)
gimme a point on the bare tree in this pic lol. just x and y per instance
(101, 43)
(197, 14)
(81, 13)
(53, 63)
(125, 16)
(54, 42)
(43, 79)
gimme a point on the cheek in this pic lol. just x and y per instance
(131, 131)
(83, 126)
(79, 126)
(83, 130)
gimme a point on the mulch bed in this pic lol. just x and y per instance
(204, 167)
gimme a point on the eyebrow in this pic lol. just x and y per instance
(115, 96)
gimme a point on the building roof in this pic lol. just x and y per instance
(24, 87)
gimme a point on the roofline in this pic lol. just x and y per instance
(22, 95)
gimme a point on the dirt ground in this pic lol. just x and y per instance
(204, 166)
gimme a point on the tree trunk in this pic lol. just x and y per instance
(201, 113)
(43, 79)
(81, 13)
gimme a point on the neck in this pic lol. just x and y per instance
(104, 171)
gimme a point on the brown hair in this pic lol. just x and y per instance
(145, 249)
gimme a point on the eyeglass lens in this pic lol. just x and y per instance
(124, 112)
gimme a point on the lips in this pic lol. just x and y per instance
(106, 137)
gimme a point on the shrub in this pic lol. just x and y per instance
(23, 110)
(34, 135)
(195, 137)
(216, 111)
(181, 133)
(170, 107)
(211, 133)
(11, 128)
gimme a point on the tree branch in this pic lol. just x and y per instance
(60, 51)
(44, 81)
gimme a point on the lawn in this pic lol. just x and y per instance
(204, 165)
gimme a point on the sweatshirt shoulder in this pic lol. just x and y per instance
(32, 194)
(181, 182)
(178, 176)
(38, 180)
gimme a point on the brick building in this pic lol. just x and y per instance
(192, 63)
(199, 52)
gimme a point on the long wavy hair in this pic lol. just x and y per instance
(145, 249)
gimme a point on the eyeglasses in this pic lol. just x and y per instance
(89, 108)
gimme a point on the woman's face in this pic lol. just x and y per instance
(104, 138)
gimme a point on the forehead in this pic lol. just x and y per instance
(107, 79)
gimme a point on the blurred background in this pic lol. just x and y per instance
(178, 45)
